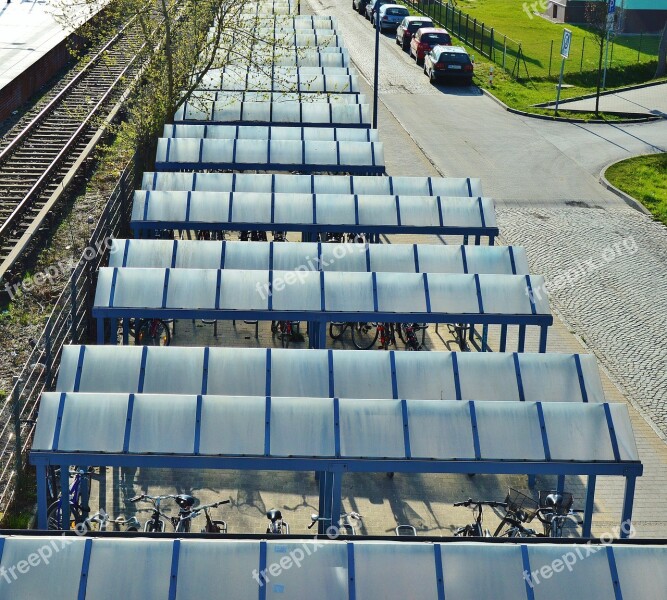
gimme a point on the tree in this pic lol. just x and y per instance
(661, 71)
(180, 41)
(595, 14)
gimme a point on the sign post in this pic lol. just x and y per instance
(610, 25)
(565, 46)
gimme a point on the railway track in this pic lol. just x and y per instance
(40, 161)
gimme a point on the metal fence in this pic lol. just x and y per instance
(541, 59)
(70, 321)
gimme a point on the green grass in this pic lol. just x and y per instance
(536, 83)
(645, 179)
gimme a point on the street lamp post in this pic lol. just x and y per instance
(375, 74)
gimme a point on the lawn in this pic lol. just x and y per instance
(632, 58)
(645, 179)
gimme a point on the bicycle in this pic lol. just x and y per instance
(364, 335)
(519, 509)
(345, 523)
(252, 236)
(182, 523)
(101, 519)
(279, 236)
(157, 521)
(386, 334)
(555, 510)
(76, 509)
(407, 332)
(285, 330)
(277, 525)
(460, 332)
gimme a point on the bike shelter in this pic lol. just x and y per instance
(281, 183)
(182, 569)
(320, 297)
(463, 376)
(336, 436)
(257, 132)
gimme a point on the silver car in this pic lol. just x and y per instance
(390, 16)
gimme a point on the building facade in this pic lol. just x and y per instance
(634, 16)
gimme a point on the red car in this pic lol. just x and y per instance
(425, 40)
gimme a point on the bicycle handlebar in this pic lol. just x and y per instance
(470, 502)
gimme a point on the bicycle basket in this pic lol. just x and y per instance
(561, 508)
(523, 507)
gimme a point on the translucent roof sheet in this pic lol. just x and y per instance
(317, 212)
(405, 258)
(188, 153)
(265, 132)
(297, 57)
(326, 296)
(448, 187)
(381, 429)
(308, 113)
(281, 79)
(293, 372)
(344, 569)
(282, 37)
(202, 99)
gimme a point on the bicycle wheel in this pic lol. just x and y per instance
(153, 332)
(54, 516)
(336, 330)
(364, 335)
(285, 333)
(400, 328)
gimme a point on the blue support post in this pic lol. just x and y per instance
(100, 330)
(326, 482)
(114, 331)
(126, 332)
(41, 496)
(522, 338)
(588, 509)
(336, 497)
(560, 485)
(628, 500)
(485, 337)
(503, 338)
(64, 497)
(544, 330)
(531, 481)
(322, 336)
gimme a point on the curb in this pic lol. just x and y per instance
(627, 88)
(629, 200)
(522, 113)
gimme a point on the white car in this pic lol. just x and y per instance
(390, 16)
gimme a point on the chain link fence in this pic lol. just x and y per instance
(70, 322)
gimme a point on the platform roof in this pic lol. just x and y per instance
(177, 154)
(450, 187)
(263, 132)
(406, 435)
(321, 297)
(89, 567)
(331, 373)
(282, 79)
(297, 114)
(295, 21)
(318, 213)
(352, 257)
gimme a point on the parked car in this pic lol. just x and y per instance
(373, 6)
(390, 16)
(449, 62)
(425, 40)
(408, 28)
(360, 6)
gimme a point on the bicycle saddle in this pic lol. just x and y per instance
(553, 500)
(185, 501)
(274, 515)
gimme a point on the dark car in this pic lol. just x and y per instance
(360, 6)
(425, 40)
(408, 28)
(375, 5)
(449, 62)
